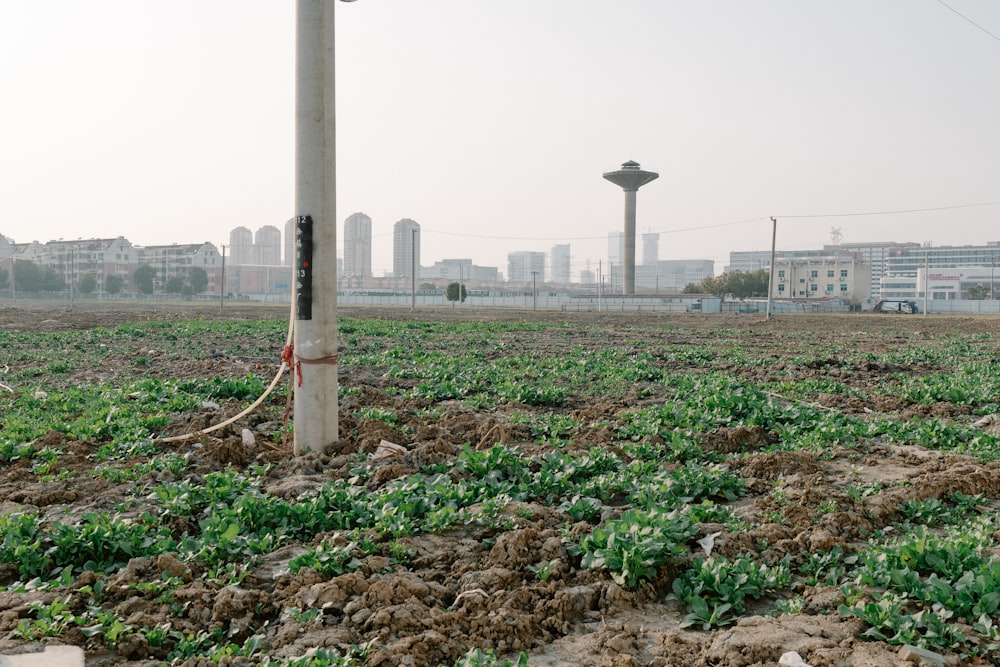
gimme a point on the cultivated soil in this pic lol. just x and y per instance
(476, 587)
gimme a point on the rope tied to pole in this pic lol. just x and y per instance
(294, 361)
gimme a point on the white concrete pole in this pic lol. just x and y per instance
(770, 278)
(629, 268)
(315, 342)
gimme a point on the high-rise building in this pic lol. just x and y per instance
(241, 246)
(650, 248)
(525, 266)
(559, 264)
(406, 249)
(616, 248)
(358, 246)
(289, 242)
(267, 246)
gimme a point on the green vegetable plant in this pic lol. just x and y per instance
(716, 589)
(635, 545)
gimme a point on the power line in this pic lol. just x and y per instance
(947, 6)
(589, 238)
(895, 212)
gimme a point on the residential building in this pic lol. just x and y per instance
(559, 263)
(526, 266)
(289, 242)
(98, 258)
(267, 246)
(616, 248)
(177, 260)
(240, 246)
(846, 278)
(877, 254)
(357, 246)
(406, 248)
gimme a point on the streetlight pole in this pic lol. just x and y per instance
(222, 285)
(534, 291)
(314, 356)
(413, 270)
(770, 278)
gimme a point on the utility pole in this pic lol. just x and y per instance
(600, 285)
(222, 285)
(993, 263)
(413, 270)
(314, 362)
(927, 268)
(770, 279)
(534, 291)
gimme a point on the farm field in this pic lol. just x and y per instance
(598, 489)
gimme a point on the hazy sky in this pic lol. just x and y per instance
(490, 123)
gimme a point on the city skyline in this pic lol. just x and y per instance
(132, 119)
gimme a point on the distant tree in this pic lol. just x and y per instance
(144, 276)
(198, 280)
(175, 285)
(740, 284)
(451, 293)
(977, 292)
(427, 287)
(87, 284)
(53, 281)
(4, 279)
(113, 284)
(28, 277)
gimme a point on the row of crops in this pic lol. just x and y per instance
(631, 510)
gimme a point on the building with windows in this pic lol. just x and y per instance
(525, 266)
(289, 242)
(406, 249)
(945, 284)
(241, 246)
(267, 246)
(877, 255)
(464, 270)
(357, 246)
(559, 264)
(616, 248)
(672, 275)
(97, 258)
(177, 260)
(650, 249)
(749, 261)
(846, 278)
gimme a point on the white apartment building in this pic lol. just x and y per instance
(406, 248)
(240, 247)
(526, 266)
(357, 246)
(822, 278)
(267, 246)
(559, 264)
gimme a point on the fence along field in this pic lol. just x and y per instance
(599, 489)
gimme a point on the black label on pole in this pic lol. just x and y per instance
(303, 267)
